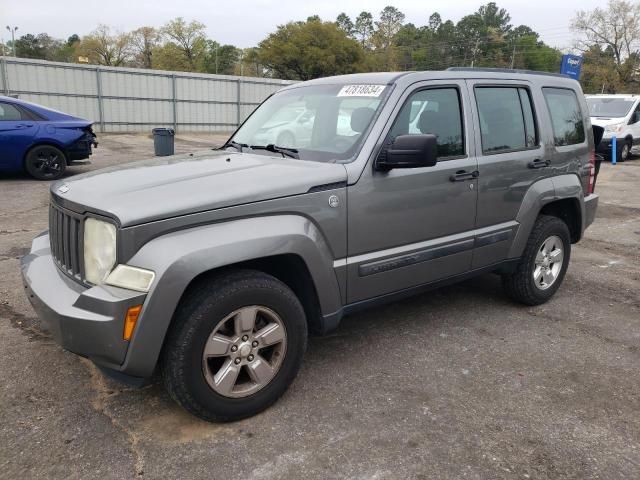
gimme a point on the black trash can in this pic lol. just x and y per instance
(163, 141)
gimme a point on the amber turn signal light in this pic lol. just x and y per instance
(130, 321)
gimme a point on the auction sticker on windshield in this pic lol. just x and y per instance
(361, 91)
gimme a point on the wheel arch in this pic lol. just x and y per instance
(45, 142)
(288, 247)
(560, 196)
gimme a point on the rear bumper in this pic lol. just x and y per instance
(85, 321)
(590, 207)
(81, 148)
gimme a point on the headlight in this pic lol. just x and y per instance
(614, 128)
(99, 250)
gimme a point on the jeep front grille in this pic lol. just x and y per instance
(65, 236)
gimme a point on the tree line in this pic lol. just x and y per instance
(302, 50)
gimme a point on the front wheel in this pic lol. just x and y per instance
(543, 264)
(45, 162)
(236, 344)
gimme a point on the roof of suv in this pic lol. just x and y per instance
(388, 78)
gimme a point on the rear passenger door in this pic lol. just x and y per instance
(511, 158)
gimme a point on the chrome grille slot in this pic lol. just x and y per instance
(65, 236)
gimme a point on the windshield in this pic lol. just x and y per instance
(324, 123)
(610, 107)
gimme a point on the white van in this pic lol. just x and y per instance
(619, 115)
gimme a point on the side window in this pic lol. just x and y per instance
(506, 119)
(635, 118)
(434, 111)
(566, 116)
(9, 113)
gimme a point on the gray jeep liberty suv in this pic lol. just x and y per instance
(212, 267)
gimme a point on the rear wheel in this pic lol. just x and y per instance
(625, 151)
(45, 162)
(543, 265)
(236, 344)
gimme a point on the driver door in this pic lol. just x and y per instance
(408, 227)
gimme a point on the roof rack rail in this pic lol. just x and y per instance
(505, 70)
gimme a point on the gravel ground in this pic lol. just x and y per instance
(456, 383)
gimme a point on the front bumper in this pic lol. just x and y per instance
(85, 321)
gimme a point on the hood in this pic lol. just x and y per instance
(604, 121)
(178, 185)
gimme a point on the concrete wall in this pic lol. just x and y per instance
(136, 100)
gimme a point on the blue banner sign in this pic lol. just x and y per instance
(571, 65)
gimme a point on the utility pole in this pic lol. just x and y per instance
(13, 38)
(216, 58)
(513, 56)
(475, 51)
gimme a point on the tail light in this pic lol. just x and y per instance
(592, 172)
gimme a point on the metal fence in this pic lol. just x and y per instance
(136, 100)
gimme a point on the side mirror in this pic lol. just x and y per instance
(634, 118)
(409, 151)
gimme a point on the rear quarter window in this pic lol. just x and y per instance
(566, 117)
(9, 113)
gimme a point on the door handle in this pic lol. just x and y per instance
(24, 125)
(462, 175)
(539, 163)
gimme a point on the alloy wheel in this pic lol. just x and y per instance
(244, 351)
(548, 262)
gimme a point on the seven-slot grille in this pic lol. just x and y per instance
(65, 236)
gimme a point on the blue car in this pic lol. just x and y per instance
(41, 141)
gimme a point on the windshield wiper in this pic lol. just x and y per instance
(284, 151)
(234, 144)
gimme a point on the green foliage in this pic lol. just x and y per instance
(311, 49)
(190, 40)
(44, 47)
(345, 24)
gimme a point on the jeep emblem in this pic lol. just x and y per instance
(334, 201)
(64, 188)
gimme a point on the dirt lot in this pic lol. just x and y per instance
(457, 383)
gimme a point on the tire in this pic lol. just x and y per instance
(190, 374)
(523, 285)
(45, 162)
(286, 139)
(625, 151)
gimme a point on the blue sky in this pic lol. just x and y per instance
(245, 22)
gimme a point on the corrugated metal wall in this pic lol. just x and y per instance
(136, 100)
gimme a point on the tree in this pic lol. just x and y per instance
(345, 24)
(391, 20)
(311, 49)
(494, 18)
(221, 59)
(40, 46)
(387, 27)
(104, 48)
(363, 27)
(143, 41)
(435, 21)
(189, 38)
(616, 28)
